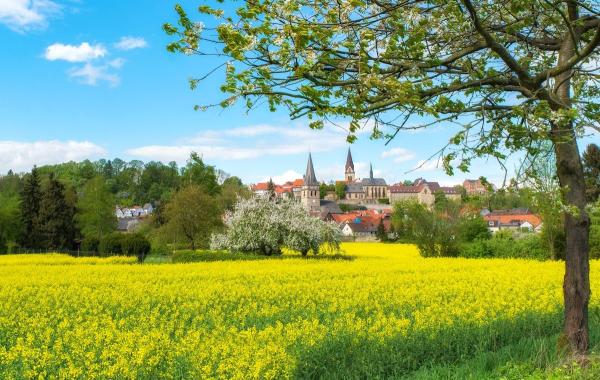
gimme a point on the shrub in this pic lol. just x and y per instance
(111, 244)
(472, 227)
(135, 245)
(90, 244)
(529, 246)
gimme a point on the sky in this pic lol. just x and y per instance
(83, 79)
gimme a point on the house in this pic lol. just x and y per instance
(290, 189)
(474, 186)
(148, 209)
(127, 224)
(360, 229)
(362, 225)
(515, 219)
(133, 212)
(421, 191)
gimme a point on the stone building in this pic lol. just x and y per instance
(310, 195)
(474, 186)
(422, 192)
(364, 191)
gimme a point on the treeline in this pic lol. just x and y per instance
(457, 229)
(70, 205)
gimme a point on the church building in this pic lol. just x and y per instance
(365, 191)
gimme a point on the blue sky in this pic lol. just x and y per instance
(92, 79)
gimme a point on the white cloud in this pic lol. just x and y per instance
(21, 156)
(399, 154)
(117, 63)
(288, 175)
(129, 43)
(73, 53)
(91, 75)
(248, 142)
(25, 15)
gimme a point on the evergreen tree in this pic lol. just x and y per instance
(31, 195)
(591, 172)
(271, 190)
(56, 216)
(381, 234)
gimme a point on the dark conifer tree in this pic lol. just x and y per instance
(381, 234)
(271, 190)
(31, 195)
(56, 216)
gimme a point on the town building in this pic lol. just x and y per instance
(134, 211)
(362, 225)
(366, 191)
(515, 219)
(310, 195)
(421, 191)
(474, 186)
(370, 192)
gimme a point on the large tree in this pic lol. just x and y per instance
(56, 216)
(510, 74)
(192, 215)
(96, 209)
(31, 196)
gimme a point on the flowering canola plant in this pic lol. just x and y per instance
(386, 312)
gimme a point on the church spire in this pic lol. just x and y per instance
(309, 177)
(349, 163)
(371, 170)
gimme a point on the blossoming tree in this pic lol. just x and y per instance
(260, 224)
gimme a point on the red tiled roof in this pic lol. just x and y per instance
(508, 218)
(260, 186)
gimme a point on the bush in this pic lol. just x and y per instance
(472, 227)
(90, 244)
(503, 245)
(135, 245)
(111, 244)
(3, 245)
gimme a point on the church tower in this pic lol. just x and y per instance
(349, 170)
(310, 197)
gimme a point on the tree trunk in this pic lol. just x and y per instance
(576, 286)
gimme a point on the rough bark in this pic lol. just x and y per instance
(576, 286)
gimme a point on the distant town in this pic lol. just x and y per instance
(359, 205)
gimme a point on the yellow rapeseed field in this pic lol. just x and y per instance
(385, 313)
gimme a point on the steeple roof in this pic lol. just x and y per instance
(371, 170)
(310, 178)
(349, 162)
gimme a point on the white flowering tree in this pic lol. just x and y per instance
(264, 226)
